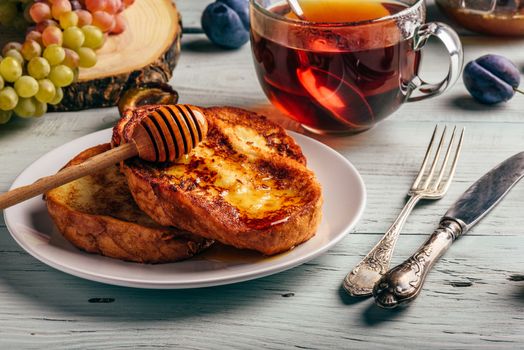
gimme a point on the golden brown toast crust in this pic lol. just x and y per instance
(245, 185)
(276, 137)
(97, 214)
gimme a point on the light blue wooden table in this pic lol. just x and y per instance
(474, 297)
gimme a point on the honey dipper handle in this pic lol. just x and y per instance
(90, 166)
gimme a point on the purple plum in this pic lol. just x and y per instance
(226, 23)
(241, 7)
(491, 79)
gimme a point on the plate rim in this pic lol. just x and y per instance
(216, 281)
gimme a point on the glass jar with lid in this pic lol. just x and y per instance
(496, 17)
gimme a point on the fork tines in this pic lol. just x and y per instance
(428, 175)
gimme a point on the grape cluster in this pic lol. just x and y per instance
(61, 37)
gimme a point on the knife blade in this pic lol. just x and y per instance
(403, 283)
(486, 192)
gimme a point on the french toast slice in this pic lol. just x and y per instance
(97, 214)
(245, 185)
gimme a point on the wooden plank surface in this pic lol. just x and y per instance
(473, 299)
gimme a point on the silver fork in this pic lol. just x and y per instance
(360, 281)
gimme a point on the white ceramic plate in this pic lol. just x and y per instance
(29, 224)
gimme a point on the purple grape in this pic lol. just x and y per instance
(226, 26)
(491, 79)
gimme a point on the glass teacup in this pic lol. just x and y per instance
(344, 77)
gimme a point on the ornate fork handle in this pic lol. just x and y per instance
(404, 282)
(360, 281)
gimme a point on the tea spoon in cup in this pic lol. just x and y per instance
(295, 7)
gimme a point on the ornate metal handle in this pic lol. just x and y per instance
(360, 281)
(404, 282)
(451, 41)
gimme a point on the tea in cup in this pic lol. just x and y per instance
(347, 64)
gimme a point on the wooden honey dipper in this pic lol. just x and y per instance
(162, 133)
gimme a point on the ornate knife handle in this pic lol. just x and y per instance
(403, 283)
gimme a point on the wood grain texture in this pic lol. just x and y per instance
(146, 52)
(468, 300)
(473, 299)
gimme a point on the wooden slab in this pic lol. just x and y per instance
(146, 52)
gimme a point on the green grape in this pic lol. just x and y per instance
(46, 91)
(87, 57)
(16, 55)
(11, 45)
(26, 86)
(31, 49)
(38, 68)
(39, 12)
(33, 34)
(58, 97)
(60, 7)
(61, 75)
(2, 82)
(84, 17)
(94, 37)
(8, 98)
(40, 108)
(73, 38)
(68, 19)
(104, 20)
(54, 54)
(25, 108)
(5, 116)
(72, 59)
(52, 35)
(10, 69)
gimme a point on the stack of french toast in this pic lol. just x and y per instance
(245, 185)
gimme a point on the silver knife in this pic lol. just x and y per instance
(403, 283)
